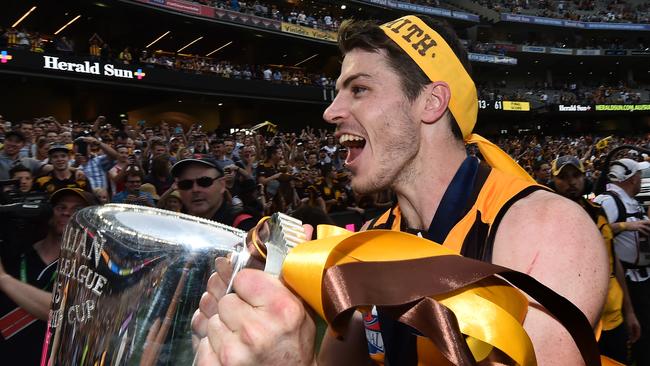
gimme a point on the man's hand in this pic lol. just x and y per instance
(633, 327)
(642, 226)
(263, 323)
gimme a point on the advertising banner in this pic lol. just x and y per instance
(516, 106)
(588, 52)
(423, 9)
(534, 49)
(309, 32)
(622, 107)
(615, 52)
(492, 59)
(561, 51)
(508, 17)
(574, 108)
(237, 17)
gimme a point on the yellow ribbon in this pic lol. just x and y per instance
(490, 313)
(439, 62)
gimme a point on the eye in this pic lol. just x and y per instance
(356, 90)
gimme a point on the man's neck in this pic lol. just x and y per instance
(49, 248)
(62, 174)
(423, 183)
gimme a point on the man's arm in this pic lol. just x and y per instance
(554, 240)
(631, 321)
(34, 300)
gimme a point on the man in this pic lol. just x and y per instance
(95, 164)
(631, 228)
(219, 153)
(268, 170)
(26, 280)
(61, 176)
(569, 181)
(201, 185)
(116, 173)
(10, 155)
(229, 148)
(132, 194)
(27, 128)
(541, 172)
(24, 177)
(405, 115)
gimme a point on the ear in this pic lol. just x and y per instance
(437, 96)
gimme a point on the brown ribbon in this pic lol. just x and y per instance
(400, 290)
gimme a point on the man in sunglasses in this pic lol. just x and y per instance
(201, 185)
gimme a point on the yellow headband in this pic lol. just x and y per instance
(434, 56)
(439, 62)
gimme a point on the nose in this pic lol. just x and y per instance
(337, 111)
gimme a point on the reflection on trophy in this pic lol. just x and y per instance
(131, 277)
(129, 281)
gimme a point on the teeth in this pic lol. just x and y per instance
(347, 137)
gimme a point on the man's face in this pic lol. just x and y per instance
(247, 154)
(148, 134)
(63, 210)
(229, 146)
(312, 159)
(544, 172)
(277, 155)
(132, 183)
(123, 154)
(52, 137)
(13, 146)
(217, 149)
(374, 120)
(201, 201)
(38, 132)
(66, 137)
(27, 129)
(570, 183)
(59, 160)
(26, 181)
(159, 150)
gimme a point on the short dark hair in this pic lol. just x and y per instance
(366, 35)
(18, 168)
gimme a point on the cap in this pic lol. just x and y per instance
(20, 136)
(177, 169)
(565, 160)
(622, 169)
(89, 198)
(149, 188)
(56, 148)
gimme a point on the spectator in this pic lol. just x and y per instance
(267, 171)
(24, 177)
(202, 190)
(98, 161)
(569, 181)
(171, 202)
(125, 56)
(160, 176)
(132, 194)
(116, 173)
(9, 156)
(631, 227)
(101, 194)
(27, 274)
(61, 176)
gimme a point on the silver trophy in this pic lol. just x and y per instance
(131, 277)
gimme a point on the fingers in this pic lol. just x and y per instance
(224, 270)
(205, 355)
(309, 230)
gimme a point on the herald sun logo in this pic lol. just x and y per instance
(92, 68)
(5, 57)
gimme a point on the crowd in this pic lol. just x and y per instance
(569, 92)
(234, 178)
(614, 11)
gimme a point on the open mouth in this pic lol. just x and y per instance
(354, 144)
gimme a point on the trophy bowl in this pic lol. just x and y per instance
(129, 280)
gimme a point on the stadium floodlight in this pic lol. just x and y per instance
(23, 17)
(307, 59)
(189, 44)
(224, 46)
(67, 24)
(158, 39)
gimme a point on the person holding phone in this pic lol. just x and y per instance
(132, 194)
